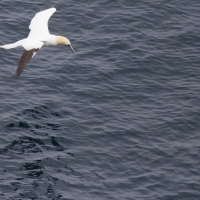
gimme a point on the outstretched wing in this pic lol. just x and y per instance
(39, 23)
(32, 47)
(25, 58)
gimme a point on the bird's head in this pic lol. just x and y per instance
(64, 41)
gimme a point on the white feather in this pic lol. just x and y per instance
(39, 23)
(29, 44)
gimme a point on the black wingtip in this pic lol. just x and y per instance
(16, 76)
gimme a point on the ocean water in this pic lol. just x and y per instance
(119, 119)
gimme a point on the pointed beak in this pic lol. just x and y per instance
(70, 46)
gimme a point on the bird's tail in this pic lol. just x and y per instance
(13, 45)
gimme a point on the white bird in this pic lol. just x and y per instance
(39, 36)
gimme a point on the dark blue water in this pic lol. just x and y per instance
(119, 119)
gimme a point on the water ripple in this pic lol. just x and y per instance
(117, 120)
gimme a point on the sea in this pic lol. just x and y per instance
(117, 120)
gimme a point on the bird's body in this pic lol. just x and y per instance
(39, 36)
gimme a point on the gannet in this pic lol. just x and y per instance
(39, 36)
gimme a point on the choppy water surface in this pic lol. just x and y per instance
(117, 120)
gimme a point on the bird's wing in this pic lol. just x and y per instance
(39, 23)
(31, 49)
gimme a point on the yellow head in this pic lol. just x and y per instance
(64, 41)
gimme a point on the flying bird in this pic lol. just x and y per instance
(38, 37)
